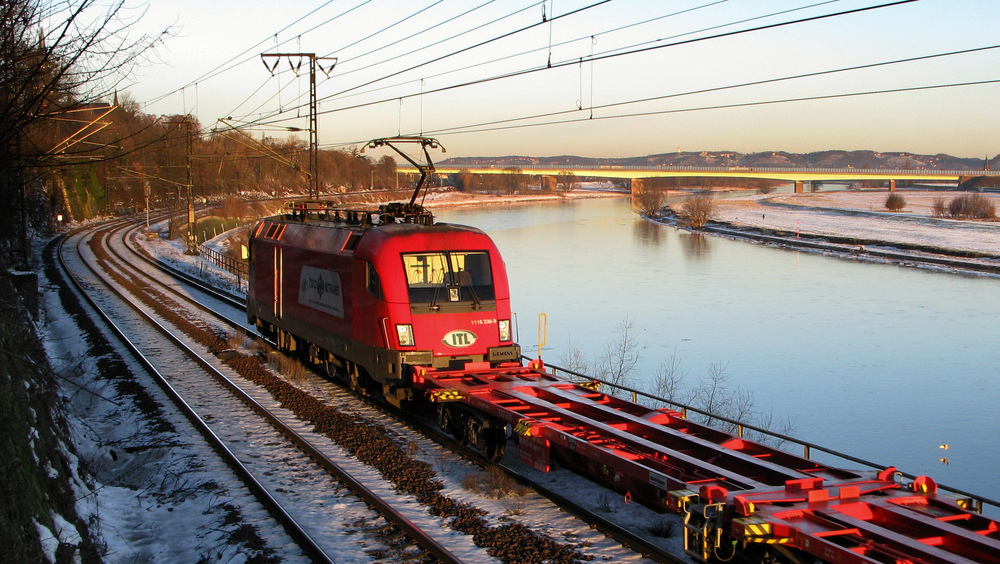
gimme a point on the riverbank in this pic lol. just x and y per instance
(855, 224)
(452, 199)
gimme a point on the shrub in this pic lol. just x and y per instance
(973, 206)
(471, 482)
(498, 484)
(513, 505)
(895, 202)
(939, 207)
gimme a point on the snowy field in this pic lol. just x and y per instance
(862, 215)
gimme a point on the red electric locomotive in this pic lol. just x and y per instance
(371, 294)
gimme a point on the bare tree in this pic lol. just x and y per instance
(649, 201)
(566, 181)
(513, 179)
(464, 180)
(766, 421)
(668, 381)
(698, 210)
(55, 58)
(715, 395)
(939, 207)
(573, 358)
(712, 394)
(621, 355)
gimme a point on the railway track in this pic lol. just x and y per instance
(272, 461)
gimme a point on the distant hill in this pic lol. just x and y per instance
(819, 159)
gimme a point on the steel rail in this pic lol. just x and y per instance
(305, 542)
(429, 544)
(224, 297)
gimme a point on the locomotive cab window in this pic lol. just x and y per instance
(444, 278)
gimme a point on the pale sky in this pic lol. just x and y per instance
(212, 69)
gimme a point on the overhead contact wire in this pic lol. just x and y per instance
(299, 104)
(442, 57)
(219, 69)
(738, 105)
(458, 129)
(616, 55)
(559, 44)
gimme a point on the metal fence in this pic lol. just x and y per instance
(225, 262)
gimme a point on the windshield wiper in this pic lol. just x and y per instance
(434, 298)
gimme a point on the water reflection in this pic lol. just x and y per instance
(696, 245)
(649, 233)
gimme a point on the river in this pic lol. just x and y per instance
(886, 363)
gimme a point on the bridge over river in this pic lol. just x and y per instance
(800, 176)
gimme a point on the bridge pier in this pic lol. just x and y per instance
(548, 183)
(892, 184)
(635, 186)
(799, 187)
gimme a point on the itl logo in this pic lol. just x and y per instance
(458, 339)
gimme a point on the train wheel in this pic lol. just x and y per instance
(472, 428)
(494, 449)
(450, 422)
(490, 440)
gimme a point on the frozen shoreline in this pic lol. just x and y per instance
(856, 224)
(861, 216)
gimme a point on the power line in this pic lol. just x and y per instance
(559, 44)
(219, 69)
(737, 105)
(405, 18)
(608, 56)
(454, 53)
(315, 27)
(458, 129)
(470, 48)
(439, 42)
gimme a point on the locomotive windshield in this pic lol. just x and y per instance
(442, 278)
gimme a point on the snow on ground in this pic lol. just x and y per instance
(862, 215)
(173, 253)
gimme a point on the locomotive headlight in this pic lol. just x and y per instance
(405, 334)
(504, 325)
